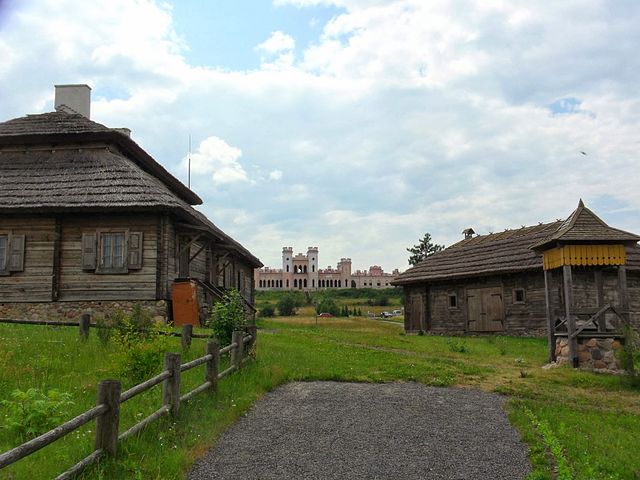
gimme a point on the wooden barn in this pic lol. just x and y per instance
(496, 283)
(90, 221)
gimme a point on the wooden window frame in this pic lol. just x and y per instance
(524, 296)
(4, 271)
(6, 268)
(453, 295)
(100, 268)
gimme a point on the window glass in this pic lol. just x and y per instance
(112, 252)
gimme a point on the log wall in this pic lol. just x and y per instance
(34, 283)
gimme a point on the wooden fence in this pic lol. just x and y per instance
(110, 399)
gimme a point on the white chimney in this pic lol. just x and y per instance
(73, 99)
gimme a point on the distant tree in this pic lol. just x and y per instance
(423, 249)
(287, 306)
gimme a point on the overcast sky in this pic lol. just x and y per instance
(355, 125)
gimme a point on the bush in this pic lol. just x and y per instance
(267, 311)
(328, 305)
(287, 306)
(144, 359)
(103, 330)
(228, 315)
(33, 412)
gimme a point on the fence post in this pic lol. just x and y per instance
(237, 353)
(211, 373)
(171, 386)
(108, 423)
(85, 323)
(187, 332)
(253, 331)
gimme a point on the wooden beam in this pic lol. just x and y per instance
(188, 245)
(602, 321)
(551, 324)
(55, 274)
(571, 319)
(197, 253)
(623, 293)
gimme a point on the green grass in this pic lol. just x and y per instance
(594, 419)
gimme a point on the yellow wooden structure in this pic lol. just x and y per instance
(584, 255)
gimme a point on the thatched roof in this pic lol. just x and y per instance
(496, 253)
(62, 128)
(82, 171)
(584, 226)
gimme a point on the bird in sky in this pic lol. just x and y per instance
(584, 153)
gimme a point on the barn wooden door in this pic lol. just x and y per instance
(485, 310)
(416, 312)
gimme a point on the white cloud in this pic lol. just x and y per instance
(275, 175)
(216, 157)
(278, 42)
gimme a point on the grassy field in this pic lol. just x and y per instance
(577, 424)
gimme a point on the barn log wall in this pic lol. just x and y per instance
(34, 283)
(79, 285)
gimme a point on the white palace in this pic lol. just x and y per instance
(301, 272)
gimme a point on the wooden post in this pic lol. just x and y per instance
(571, 319)
(108, 423)
(85, 324)
(236, 353)
(187, 332)
(602, 320)
(171, 386)
(211, 372)
(551, 323)
(623, 293)
(253, 331)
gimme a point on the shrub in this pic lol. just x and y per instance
(267, 311)
(287, 306)
(227, 315)
(34, 412)
(144, 359)
(328, 305)
(628, 353)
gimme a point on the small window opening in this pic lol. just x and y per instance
(453, 300)
(518, 295)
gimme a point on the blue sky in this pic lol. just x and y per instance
(355, 125)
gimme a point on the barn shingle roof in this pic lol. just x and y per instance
(585, 226)
(62, 128)
(505, 252)
(60, 162)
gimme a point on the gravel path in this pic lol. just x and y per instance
(330, 430)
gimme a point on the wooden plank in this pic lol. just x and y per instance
(55, 274)
(108, 423)
(551, 327)
(171, 387)
(571, 321)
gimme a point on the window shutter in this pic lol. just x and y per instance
(89, 253)
(135, 250)
(16, 254)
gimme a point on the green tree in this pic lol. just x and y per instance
(327, 305)
(423, 249)
(287, 306)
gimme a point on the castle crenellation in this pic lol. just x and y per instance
(302, 272)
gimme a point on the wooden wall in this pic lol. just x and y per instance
(78, 285)
(34, 283)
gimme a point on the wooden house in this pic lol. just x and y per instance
(495, 283)
(89, 220)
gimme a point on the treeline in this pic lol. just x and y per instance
(336, 302)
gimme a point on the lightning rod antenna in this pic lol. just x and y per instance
(189, 173)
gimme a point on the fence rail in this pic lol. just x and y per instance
(110, 398)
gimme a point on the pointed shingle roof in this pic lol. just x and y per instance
(584, 226)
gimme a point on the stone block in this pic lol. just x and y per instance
(591, 343)
(584, 356)
(616, 344)
(605, 343)
(565, 351)
(599, 364)
(582, 347)
(596, 354)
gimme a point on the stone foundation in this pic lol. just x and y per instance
(73, 310)
(593, 353)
